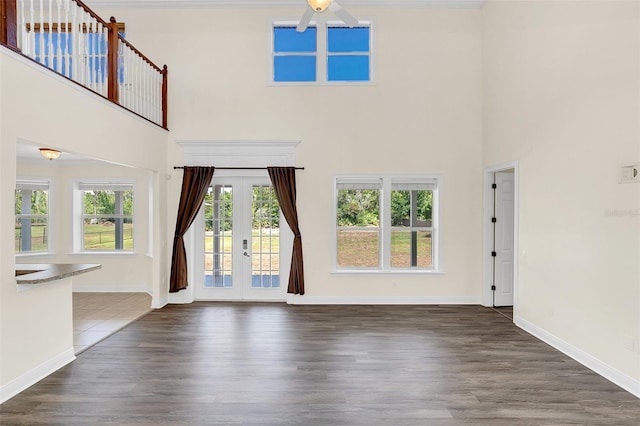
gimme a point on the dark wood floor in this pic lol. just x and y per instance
(273, 364)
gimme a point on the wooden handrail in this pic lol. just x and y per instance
(165, 107)
(139, 53)
(9, 23)
(92, 13)
(112, 61)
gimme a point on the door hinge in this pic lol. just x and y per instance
(493, 287)
(494, 186)
(494, 254)
(494, 220)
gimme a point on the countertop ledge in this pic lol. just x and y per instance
(38, 273)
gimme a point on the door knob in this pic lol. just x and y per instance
(246, 254)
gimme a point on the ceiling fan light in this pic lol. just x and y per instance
(50, 153)
(319, 5)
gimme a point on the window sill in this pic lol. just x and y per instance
(104, 253)
(29, 255)
(320, 83)
(386, 272)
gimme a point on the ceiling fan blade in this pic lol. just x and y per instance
(346, 17)
(304, 21)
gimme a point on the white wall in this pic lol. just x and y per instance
(561, 92)
(40, 107)
(422, 114)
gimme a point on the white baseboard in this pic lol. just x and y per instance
(159, 303)
(77, 288)
(382, 300)
(36, 374)
(621, 379)
(180, 298)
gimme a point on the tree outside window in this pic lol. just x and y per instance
(31, 216)
(386, 223)
(107, 217)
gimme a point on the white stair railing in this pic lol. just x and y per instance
(140, 83)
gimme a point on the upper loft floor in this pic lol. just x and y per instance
(67, 37)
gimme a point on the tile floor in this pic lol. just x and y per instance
(96, 316)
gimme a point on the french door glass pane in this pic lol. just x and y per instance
(218, 223)
(265, 237)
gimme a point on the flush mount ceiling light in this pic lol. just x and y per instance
(50, 153)
(319, 5)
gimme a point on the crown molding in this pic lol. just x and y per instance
(197, 4)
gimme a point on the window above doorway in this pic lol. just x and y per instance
(323, 53)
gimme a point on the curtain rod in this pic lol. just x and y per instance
(237, 168)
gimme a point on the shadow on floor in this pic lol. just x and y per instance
(97, 316)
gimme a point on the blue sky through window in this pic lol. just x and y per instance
(348, 54)
(345, 40)
(295, 54)
(347, 51)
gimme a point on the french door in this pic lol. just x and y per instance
(244, 243)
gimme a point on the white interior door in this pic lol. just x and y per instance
(240, 242)
(504, 233)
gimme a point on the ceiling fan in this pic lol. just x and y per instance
(319, 6)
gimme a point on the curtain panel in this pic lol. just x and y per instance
(195, 183)
(284, 184)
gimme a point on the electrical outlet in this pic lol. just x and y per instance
(629, 343)
(629, 173)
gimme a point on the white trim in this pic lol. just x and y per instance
(36, 374)
(487, 299)
(79, 186)
(398, 271)
(382, 300)
(197, 4)
(240, 153)
(159, 303)
(610, 373)
(51, 209)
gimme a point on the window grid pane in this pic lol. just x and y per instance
(288, 40)
(218, 245)
(294, 68)
(31, 216)
(344, 39)
(348, 68)
(265, 238)
(358, 248)
(410, 248)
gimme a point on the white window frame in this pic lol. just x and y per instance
(37, 181)
(385, 223)
(322, 53)
(79, 186)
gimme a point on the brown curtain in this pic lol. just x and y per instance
(195, 183)
(284, 183)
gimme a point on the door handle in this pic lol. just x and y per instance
(246, 254)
